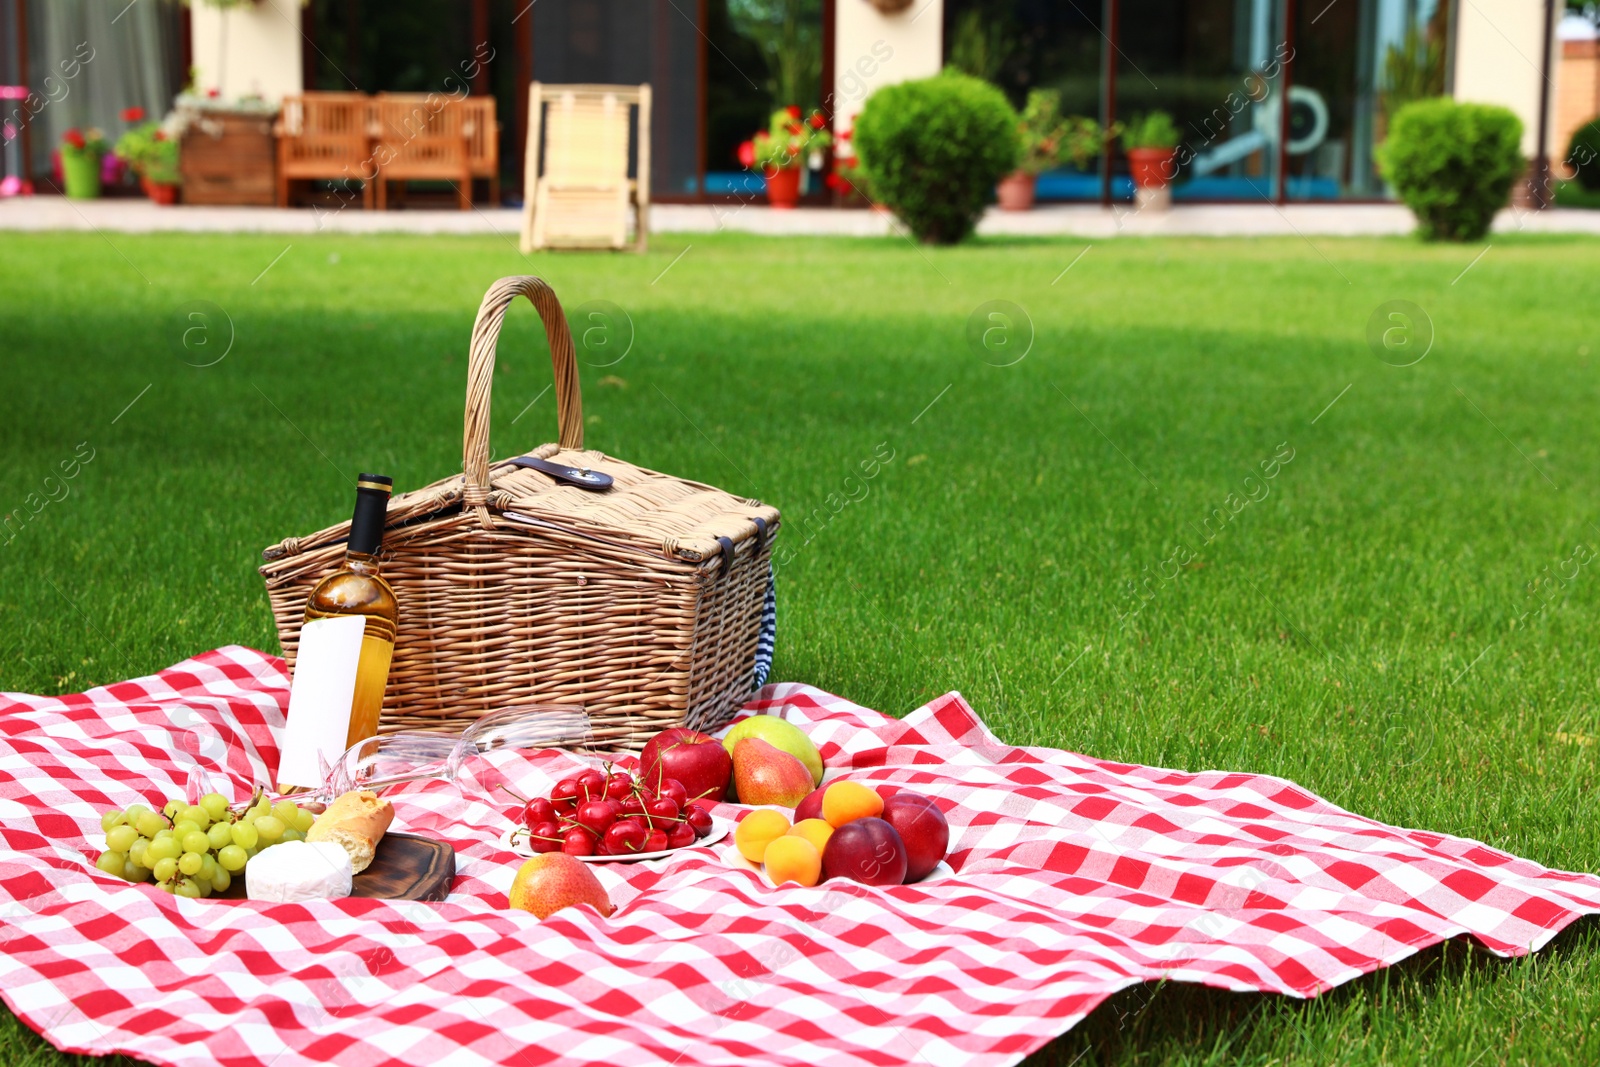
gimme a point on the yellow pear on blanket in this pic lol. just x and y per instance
(782, 735)
(764, 775)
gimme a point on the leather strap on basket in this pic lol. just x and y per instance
(480, 379)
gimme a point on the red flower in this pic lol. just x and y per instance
(160, 135)
(793, 110)
(836, 183)
(747, 153)
(74, 138)
(845, 136)
(818, 120)
(793, 127)
(213, 93)
(133, 114)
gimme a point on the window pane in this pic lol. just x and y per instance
(1021, 45)
(761, 55)
(630, 42)
(1356, 63)
(1215, 66)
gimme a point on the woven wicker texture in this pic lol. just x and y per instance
(641, 602)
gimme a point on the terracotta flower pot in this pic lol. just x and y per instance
(1015, 191)
(783, 186)
(1152, 167)
(159, 192)
(80, 173)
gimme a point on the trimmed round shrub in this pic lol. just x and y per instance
(935, 149)
(1583, 155)
(1453, 164)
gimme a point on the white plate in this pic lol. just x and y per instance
(734, 858)
(719, 830)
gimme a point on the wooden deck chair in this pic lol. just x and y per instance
(420, 138)
(577, 191)
(324, 136)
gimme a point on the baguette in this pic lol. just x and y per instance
(356, 822)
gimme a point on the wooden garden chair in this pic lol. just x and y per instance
(324, 136)
(421, 141)
(577, 190)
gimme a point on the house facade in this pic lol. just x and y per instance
(1282, 100)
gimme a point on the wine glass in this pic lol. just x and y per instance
(388, 760)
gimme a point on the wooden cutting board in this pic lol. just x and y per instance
(405, 867)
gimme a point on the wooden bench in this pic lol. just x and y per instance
(431, 137)
(390, 137)
(326, 136)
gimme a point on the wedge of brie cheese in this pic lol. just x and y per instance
(295, 871)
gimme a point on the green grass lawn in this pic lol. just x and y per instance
(1400, 620)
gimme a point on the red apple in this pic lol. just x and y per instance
(922, 828)
(697, 760)
(868, 851)
(811, 806)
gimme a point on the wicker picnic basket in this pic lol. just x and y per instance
(647, 600)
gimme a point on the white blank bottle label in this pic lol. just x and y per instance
(319, 698)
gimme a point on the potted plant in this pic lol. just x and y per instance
(784, 149)
(1151, 141)
(1048, 140)
(153, 155)
(81, 153)
(849, 177)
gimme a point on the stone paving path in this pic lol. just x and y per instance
(1202, 220)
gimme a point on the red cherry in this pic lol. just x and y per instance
(544, 837)
(565, 791)
(661, 811)
(625, 836)
(538, 810)
(632, 807)
(674, 789)
(655, 841)
(596, 816)
(700, 819)
(591, 784)
(680, 835)
(578, 842)
(619, 785)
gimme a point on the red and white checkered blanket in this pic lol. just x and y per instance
(1074, 878)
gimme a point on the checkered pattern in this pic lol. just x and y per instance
(1074, 878)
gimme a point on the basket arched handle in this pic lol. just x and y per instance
(480, 376)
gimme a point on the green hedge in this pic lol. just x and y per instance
(935, 148)
(1453, 164)
(1583, 155)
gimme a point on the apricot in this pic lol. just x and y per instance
(756, 831)
(817, 831)
(848, 801)
(793, 859)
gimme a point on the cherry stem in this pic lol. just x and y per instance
(513, 792)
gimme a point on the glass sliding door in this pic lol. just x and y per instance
(1355, 65)
(1022, 45)
(630, 42)
(1216, 66)
(761, 55)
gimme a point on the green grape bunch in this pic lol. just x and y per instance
(195, 850)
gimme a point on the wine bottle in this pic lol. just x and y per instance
(358, 589)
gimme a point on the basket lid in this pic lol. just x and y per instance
(671, 517)
(674, 518)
